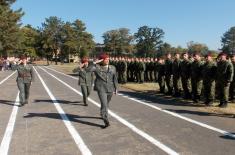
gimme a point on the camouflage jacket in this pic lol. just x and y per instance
(25, 73)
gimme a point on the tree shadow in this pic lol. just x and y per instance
(7, 102)
(79, 103)
(228, 136)
(71, 117)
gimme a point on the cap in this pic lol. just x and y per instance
(84, 59)
(103, 56)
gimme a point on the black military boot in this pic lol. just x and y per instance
(106, 123)
(223, 104)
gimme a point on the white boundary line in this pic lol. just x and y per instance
(10, 128)
(169, 112)
(7, 78)
(123, 121)
(77, 138)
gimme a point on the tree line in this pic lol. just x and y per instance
(57, 39)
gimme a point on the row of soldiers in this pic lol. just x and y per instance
(192, 75)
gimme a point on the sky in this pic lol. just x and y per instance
(202, 21)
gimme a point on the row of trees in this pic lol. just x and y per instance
(58, 39)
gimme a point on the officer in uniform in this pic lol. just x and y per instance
(208, 76)
(224, 78)
(85, 79)
(24, 80)
(105, 84)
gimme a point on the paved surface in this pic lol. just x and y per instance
(55, 122)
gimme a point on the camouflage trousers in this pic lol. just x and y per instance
(223, 91)
(169, 83)
(161, 82)
(85, 92)
(105, 98)
(209, 90)
(24, 91)
(176, 84)
(232, 91)
(186, 86)
(196, 88)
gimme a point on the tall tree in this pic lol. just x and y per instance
(52, 36)
(84, 39)
(228, 41)
(10, 36)
(164, 48)
(197, 47)
(118, 41)
(148, 40)
(30, 35)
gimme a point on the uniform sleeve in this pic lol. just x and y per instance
(32, 73)
(230, 73)
(115, 81)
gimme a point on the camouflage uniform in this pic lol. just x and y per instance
(176, 77)
(209, 75)
(185, 77)
(224, 78)
(232, 85)
(24, 79)
(161, 76)
(85, 81)
(168, 76)
(196, 79)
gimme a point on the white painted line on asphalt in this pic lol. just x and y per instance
(7, 78)
(180, 116)
(10, 127)
(77, 138)
(123, 121)
(169, 112)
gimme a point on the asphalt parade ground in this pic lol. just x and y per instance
(55, 122)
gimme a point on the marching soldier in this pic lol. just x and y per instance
(85, 79)
(105, 84)
(24, 80)
(209, 75)
(224, 78)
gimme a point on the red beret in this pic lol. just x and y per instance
(208, 55)
(84, 59)
(222, 53)
(23, 57)
(103, 56)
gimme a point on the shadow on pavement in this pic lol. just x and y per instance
(159, 99)
(200, 113)
(72, 118)
(7, 102)
(228, 137)
(79, 103)
(168, 100)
